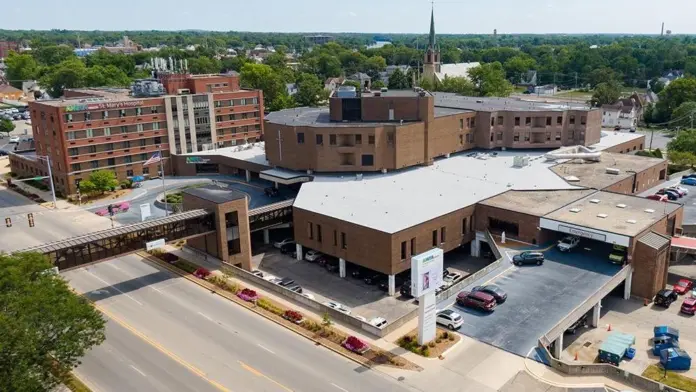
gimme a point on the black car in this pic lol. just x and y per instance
(406, 289)
(295, 287)
(493, 290)
(665, 297)
(331, 265)
(287, 248)
(285, 282)
(528, 257)
(360, 273)
(384, 284)
(582, 322)
(373, 279)
(257, 273)
(270, 192)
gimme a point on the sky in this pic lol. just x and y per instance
(365, 16)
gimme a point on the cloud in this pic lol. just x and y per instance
(353, 14)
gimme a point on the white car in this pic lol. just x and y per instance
(280, 244)
(451, 278)
(568, 243)
(361, 318)
(269, 277)
(449, 318)
(313, 255)
(378, 322)
(14, 139)
(307, 295)
(680, 189)
(337, 306)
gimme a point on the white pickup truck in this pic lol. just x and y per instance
(568, 243)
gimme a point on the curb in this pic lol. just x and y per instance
(213, 289)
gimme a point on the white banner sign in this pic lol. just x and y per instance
(145, 211)
(154, 244)
(426, 272)
(581, 231)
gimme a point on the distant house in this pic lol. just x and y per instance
(9, 92)
(332, 84)
(623, 114)
(291, 88)
(384, 76)
(364, 79)
(669, 76)
(528, 79)
(548, 89)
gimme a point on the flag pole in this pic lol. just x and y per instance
(164, 189)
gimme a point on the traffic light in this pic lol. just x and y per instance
(31, 219)
(8, 222)
(111, 209)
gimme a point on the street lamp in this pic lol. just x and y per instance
(50, 177)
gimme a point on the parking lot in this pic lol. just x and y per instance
(631, 316)
(538, 296)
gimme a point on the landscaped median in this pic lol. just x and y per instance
(670, 378)
(434, 349)
(320, 331)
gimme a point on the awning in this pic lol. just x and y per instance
(684, 244)
(285, 177)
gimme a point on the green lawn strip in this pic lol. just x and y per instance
(673, 379)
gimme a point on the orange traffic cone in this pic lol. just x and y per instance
(576, 355)
(609, 329)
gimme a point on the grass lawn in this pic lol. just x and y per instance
(574, 95)
(673, 379)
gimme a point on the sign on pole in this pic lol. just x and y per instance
(426, 277)
(145, 211)
(154, 244)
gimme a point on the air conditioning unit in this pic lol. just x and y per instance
(183, 91)
(613, 170)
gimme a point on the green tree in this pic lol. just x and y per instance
(6, 126)
(109, 75)
(68, 74)
(682, 158)
(234, 63)
(378, 84)
(20, 67)
(103, 180)
(679, 91)
(649, 113)
(310, 90)
(459, 85)
(204, 65)
(605, 94)
(603, 75)
(53, 54)
(374, 65)
(275, 60)
(518, 65)
(87, 187)
(263, 77)
(352, 83)
(45, 328)
(328, 66)
(685, 141)
(398, 81)
(326, 320)
(684, 116)
(489, 80)
(656, 85)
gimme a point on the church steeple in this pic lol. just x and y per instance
(431, 60)
(431, 39)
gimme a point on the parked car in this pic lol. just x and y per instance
(331, 265)
(688, 306)
(373, 279)
(671, 194)
(361, 318)
(307, 295)
(528, 257)
(280, 244)
(493, 290)
(658, 198)
(257, 273)
(449, 318)
(295, 287)
(14, 139)
(617, 255)
(665, 297)
(359, 272)
(406, 289)
(688, 181)
(476, 300)
(683, 286)
(682, 191)
(582, 322)
(384, 284)
(568, 243)
(450, 279)
(378, 322)
(286, 282)
(288, 247)
(313, 255)
(337, 306)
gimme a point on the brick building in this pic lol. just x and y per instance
(120, 129)
(6, 47)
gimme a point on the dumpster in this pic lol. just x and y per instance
(663, 330)
(675, 359)
(614, 347)
(663, 342)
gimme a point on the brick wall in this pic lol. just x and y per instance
(629, 146)
(527, 224)
(650, 274)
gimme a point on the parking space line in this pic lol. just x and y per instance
(138, 370)
(344, 390)
(206, 316)
(266, 349)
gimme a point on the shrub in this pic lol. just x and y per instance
(310, 325)
(431, 344)
(425, 352)
(326, 320)
(451, 337)
(445, 335)
(438, 340)
(355, 345)
(174, 198)
(201, 273)
(293, 316)
(263, 303)
(126, 184)
(249, 295)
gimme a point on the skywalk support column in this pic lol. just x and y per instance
(595, 314)
(392, 285)
(558, 347)
(298, 249)
(342, 268)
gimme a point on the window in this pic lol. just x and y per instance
(218, 118)
(413, 246)
(499, 136)
(461, 123)
(90, 132)
(138, 111)
(464, 225)
(390, 137)
(371, 139)
(473, 122)
(468, 138)
(335, 238)
(559, 120)
(528, 121)
(124, 129)
(139, 127)
(231, 102)
(526, 136)
(548, 121)
(111, 162)
(126, 144)
(128, 159)
(443, 234)
(105, 114)
(92, 149)
(368, 160)
(75, 167)
(109, 147)
(461, 139)
(94, 164)
(434, 237)
(107, 131)
(358, 139)
(583, 120)
(403, 250)
(143, 157)
(517, 121)
(492, 121)
(88, 116)
(254, 100)
(70, 135)
(300, 138)
(320, 140)
(155, 126)
(572, 119)
(129, 173)
(68, 117)
(332, 140)
(153, 109)
(319, 233)
(158, 140)
(558, 136)
(344, 243)
(500, 120)
(122, 113)
(492, 136)
(548, 136)
(143, 142)
(310, 230)
(516, 137)
(146, 170)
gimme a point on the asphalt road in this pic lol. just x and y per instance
(228, 346)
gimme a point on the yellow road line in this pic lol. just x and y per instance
(159, 347)
(259, 374)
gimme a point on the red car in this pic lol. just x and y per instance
(689, 306)
(657, 198)
(476, 299)
(683, 286)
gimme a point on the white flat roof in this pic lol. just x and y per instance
(612, 138)
(252, 152)
(396, 201)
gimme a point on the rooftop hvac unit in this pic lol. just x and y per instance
(520, 161)
(183, 91)
(613, 170)
(358, 177)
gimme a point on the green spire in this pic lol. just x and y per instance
(431, 40)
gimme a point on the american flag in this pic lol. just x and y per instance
(155, 158)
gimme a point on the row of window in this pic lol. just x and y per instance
(105, 114)
(320, 238)
(108, 131)
(538, 121)
(96, 164)
(236, 102)
(92, 149)
(236, 116)
(438, 237)
(470, 122)
(345, 139)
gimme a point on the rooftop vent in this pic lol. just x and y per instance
(613, 170)
(602, 216)
(649, 210)
(575, 210)
(631, 221)
(571, 179)
(358, 176)
(621, 205)
(594, 201)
